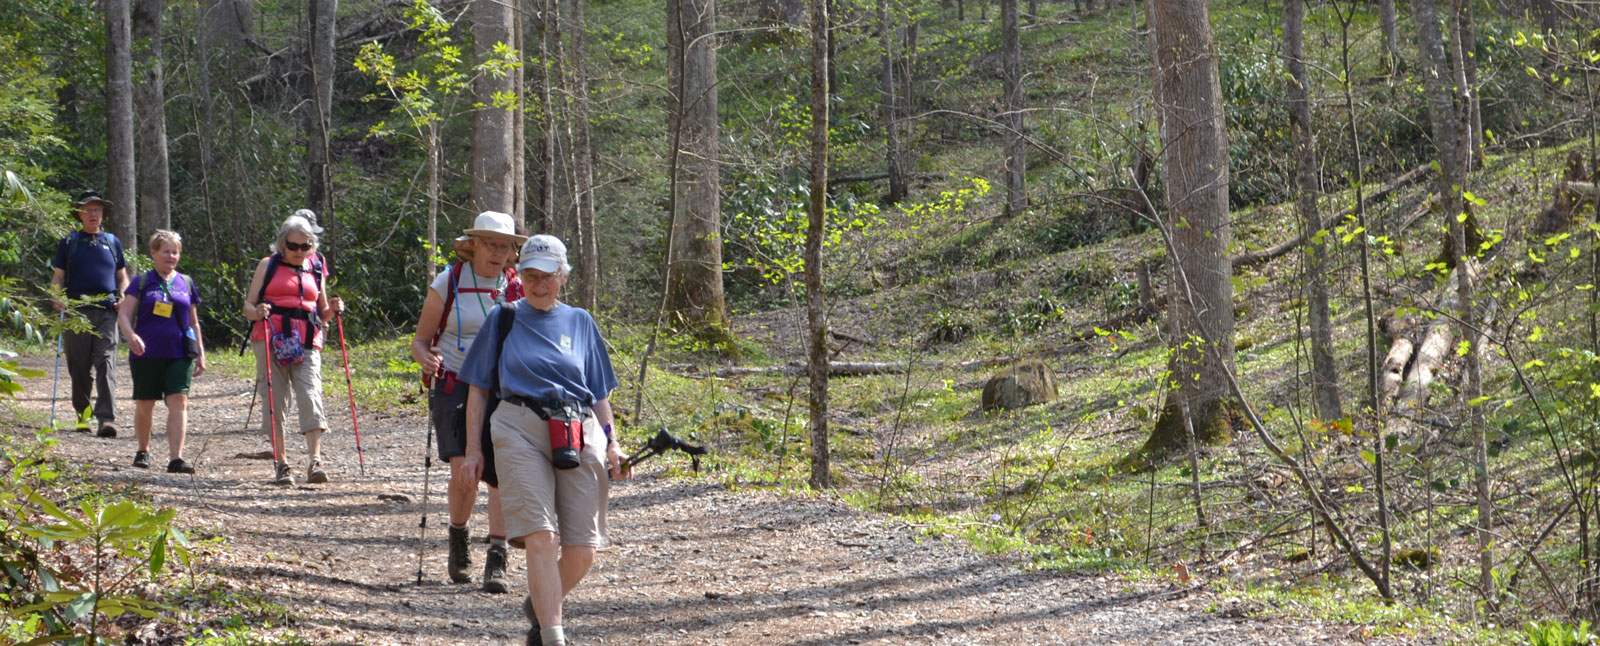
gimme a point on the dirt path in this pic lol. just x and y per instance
(692, 563)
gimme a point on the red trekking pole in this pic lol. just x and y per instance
(272, 414)
(351, 392)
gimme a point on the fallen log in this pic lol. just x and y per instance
(1438, 344)
(1253, 258)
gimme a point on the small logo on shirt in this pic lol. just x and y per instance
(566, 344)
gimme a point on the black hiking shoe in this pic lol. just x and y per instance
(141, 459)
(314, 472)
(107, 430)
(283, 475)
(179, 466)
(534, 638)
(494, 570)
(460, 559)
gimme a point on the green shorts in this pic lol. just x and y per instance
(157, 378)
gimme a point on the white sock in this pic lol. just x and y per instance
(553, 636)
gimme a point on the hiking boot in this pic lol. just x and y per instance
(460, 560)
(179, 466)
(283, 476)
(534, 638)
(314, 472)
(141, 459)
(494, 570)
(107, 430)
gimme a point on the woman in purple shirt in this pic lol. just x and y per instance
(159, 316)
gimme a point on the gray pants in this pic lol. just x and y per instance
(90, 358)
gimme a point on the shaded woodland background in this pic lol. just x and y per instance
(1317, 278)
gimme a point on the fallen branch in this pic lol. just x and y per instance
(878, 177)
(1252, 258)
(1438, 344)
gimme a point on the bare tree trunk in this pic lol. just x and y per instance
(1324, 369)
(582, 162)
(1194, 154)
(322, 17)
(548, 30)
(887, 31)
(155, 199)
(816, 313)
(121, 217)
(492, 183)
(519, 123)
(694, 287)
(429, 267)
(1452, 151)
(1016, 152)
(1463, 41)
(1391, 39)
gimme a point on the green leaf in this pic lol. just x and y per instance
(1369, 457)
(158, 554)
(1391, 441)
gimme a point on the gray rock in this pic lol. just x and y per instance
(1023, 384)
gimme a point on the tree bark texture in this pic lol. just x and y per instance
(546, 185)
(588, 260)
(1194, 154)
(1324, 368)
(121, 217)
(1011, 68)
(694, 279)
(322, 19)
(1463, 40)
(1389, 25)
(887, 31)
(816, 312)
(493, 188)
(154, 183)
(519, 123)
(1452, 148)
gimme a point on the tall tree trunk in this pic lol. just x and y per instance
(1391, 39)
(492, 183)
(694, 281)
(887, 31)
(429, 266)
(322, 17)
(1463, 41)
(548, 30)
(816, 313)
(155, 200)
(519, 123)
(1451, 146)
(582, 162)
(121, 217)
(1324, 369)
(1194, 153)
(1011, 69)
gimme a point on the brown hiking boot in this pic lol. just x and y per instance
(283, 475)
(107, 429)
(460, 559)
(314, 472)
(494, 570)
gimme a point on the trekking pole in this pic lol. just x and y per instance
(254, 388)
(349, 390)
(427, 473)
(56, 382)
(272, 413)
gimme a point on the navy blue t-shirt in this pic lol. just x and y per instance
(91, 263)
(554, 355)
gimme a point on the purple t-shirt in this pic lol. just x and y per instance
(162, 335)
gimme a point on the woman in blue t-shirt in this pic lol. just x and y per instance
(554, 380)
(161, 321)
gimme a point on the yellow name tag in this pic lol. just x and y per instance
(162, 309)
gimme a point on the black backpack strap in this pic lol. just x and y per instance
(272, 268)
(507, 318)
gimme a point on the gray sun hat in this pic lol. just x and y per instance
(311, 219)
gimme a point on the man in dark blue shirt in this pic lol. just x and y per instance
(89, 264)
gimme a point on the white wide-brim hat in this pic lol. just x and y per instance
(494, 224)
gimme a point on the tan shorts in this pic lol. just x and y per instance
(537, 497)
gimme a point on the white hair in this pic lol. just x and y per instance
(294, 224)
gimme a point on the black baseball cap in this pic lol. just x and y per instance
(87, 197)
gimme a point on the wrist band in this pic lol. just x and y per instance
(607, 429)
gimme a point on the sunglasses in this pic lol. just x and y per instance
(298, 246)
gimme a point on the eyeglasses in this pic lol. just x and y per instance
(298, 246)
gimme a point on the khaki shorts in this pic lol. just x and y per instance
(537, 497)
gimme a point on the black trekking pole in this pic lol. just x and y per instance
(427, 473)
(255, 387)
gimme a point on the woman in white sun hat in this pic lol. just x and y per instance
(459, 299)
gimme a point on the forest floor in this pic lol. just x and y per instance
(692, 562)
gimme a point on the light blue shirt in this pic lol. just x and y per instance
(554, 355)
